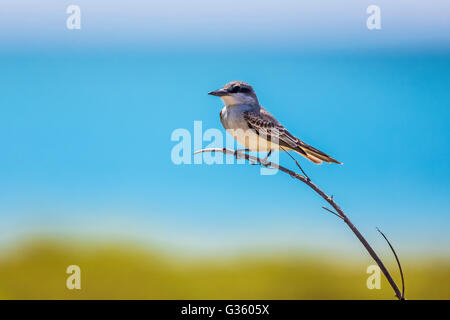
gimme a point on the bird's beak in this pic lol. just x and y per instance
(218, 93)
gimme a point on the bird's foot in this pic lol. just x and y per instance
(236, 152)
(264, 161)
(267, 157)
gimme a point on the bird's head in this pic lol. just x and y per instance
(235, 93)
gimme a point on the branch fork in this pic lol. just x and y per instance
(337, 210)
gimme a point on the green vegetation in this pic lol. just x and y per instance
(37, 270)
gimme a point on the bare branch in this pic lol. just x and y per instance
(296, 162)
(398, 263)
(333, 212)
(327, 198)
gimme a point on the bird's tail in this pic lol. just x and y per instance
(313, 154)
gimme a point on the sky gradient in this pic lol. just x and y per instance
(202, 24)
(87, 117)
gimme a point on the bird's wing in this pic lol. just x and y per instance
(267, 126)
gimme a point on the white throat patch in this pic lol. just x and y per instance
(238, 98)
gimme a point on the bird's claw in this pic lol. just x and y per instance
(236, 152)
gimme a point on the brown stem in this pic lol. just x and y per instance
(398, 262)
(327, 198)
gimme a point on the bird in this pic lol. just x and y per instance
(255, 128)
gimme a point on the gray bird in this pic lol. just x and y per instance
(255, 128)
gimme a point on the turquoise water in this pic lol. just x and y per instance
(85, 140)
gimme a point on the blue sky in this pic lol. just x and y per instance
(189, 24)
(87, 117)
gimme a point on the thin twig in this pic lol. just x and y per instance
(327, 198)
(333, 212)
(298, 165)
(398, 262)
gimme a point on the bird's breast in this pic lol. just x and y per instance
(233, 117)
(234, 122)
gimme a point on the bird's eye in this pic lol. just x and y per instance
(235, 89)
(245, 90)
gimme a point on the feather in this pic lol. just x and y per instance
(268, 127)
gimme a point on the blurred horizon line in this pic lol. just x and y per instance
(174, 50)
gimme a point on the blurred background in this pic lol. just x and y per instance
(86, 175)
